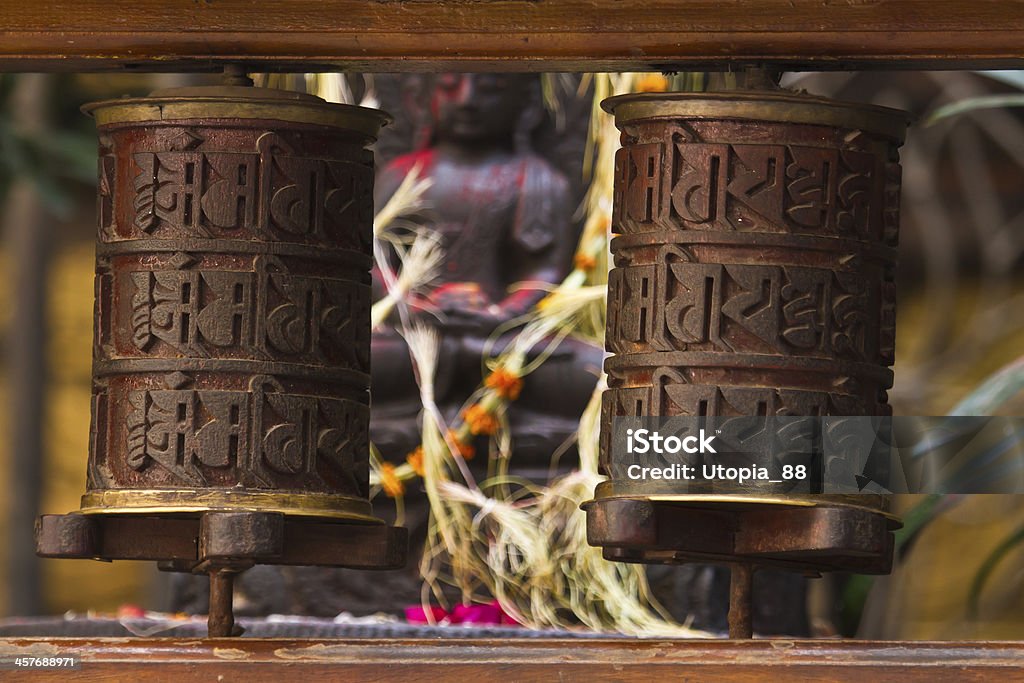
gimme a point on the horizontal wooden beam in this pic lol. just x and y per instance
(533, 35)
(260, 660)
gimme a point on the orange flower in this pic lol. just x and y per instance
(415, 460)
(390, 482)
(652, 83)
(585, 261)
(465, 449)
(479, 420)
(506, 384)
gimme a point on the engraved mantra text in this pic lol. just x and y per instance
(221, 192)
(745, 187)
(670, 395)
(257, 433)
(783, 309)
(263, 312)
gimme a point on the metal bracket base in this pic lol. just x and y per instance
(222, 544)
(745, 536)
(809, 539)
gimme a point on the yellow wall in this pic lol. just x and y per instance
(69, 584)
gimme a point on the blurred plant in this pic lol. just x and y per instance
(964, 106)
(985, 399)
(960, 315)
(1000, 387)
(971, 122)
(960, 330)
(48, 158)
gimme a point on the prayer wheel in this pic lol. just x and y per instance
(754, 258)
(230, 407)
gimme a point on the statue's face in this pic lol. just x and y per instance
(479, 108)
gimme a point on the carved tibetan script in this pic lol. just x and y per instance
(271, 191)
(261, 433)
(747, 187)
(678, 304)
(267, 313)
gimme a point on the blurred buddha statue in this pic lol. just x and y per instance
(503, 214)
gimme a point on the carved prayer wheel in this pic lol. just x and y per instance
(230, 410)
(754, 276)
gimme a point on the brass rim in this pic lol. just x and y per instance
(177, 501)
(872, 502)
(297, 109)
(780, 107)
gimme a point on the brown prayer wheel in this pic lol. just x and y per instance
(232, 334)
(232, 305)
(754, 260)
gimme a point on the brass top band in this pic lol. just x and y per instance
(311, 110)
(777, 107)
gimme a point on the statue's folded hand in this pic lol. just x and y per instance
(461, 299)
(481, 321)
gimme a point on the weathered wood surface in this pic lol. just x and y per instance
(483, 661)
(541, 35)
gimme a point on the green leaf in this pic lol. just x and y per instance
(988, 567)
(974, 104)
(994, 391)
(917, 518)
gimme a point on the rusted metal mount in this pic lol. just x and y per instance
(744, 536)
(800, 538)
(221, 544)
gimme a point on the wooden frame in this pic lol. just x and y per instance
(536, 35)
(526, 659)
(530, 35)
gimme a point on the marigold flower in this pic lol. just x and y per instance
(652, 83)
(585, 261)
(505, 383)
(389, 481)
(464, 448)
(479, 420)
(415, 460)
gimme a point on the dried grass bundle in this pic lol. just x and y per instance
(520, 543)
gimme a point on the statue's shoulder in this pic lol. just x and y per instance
(544, 207)
(541, 177)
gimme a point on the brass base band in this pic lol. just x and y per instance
(871, 502)
(178, 501)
